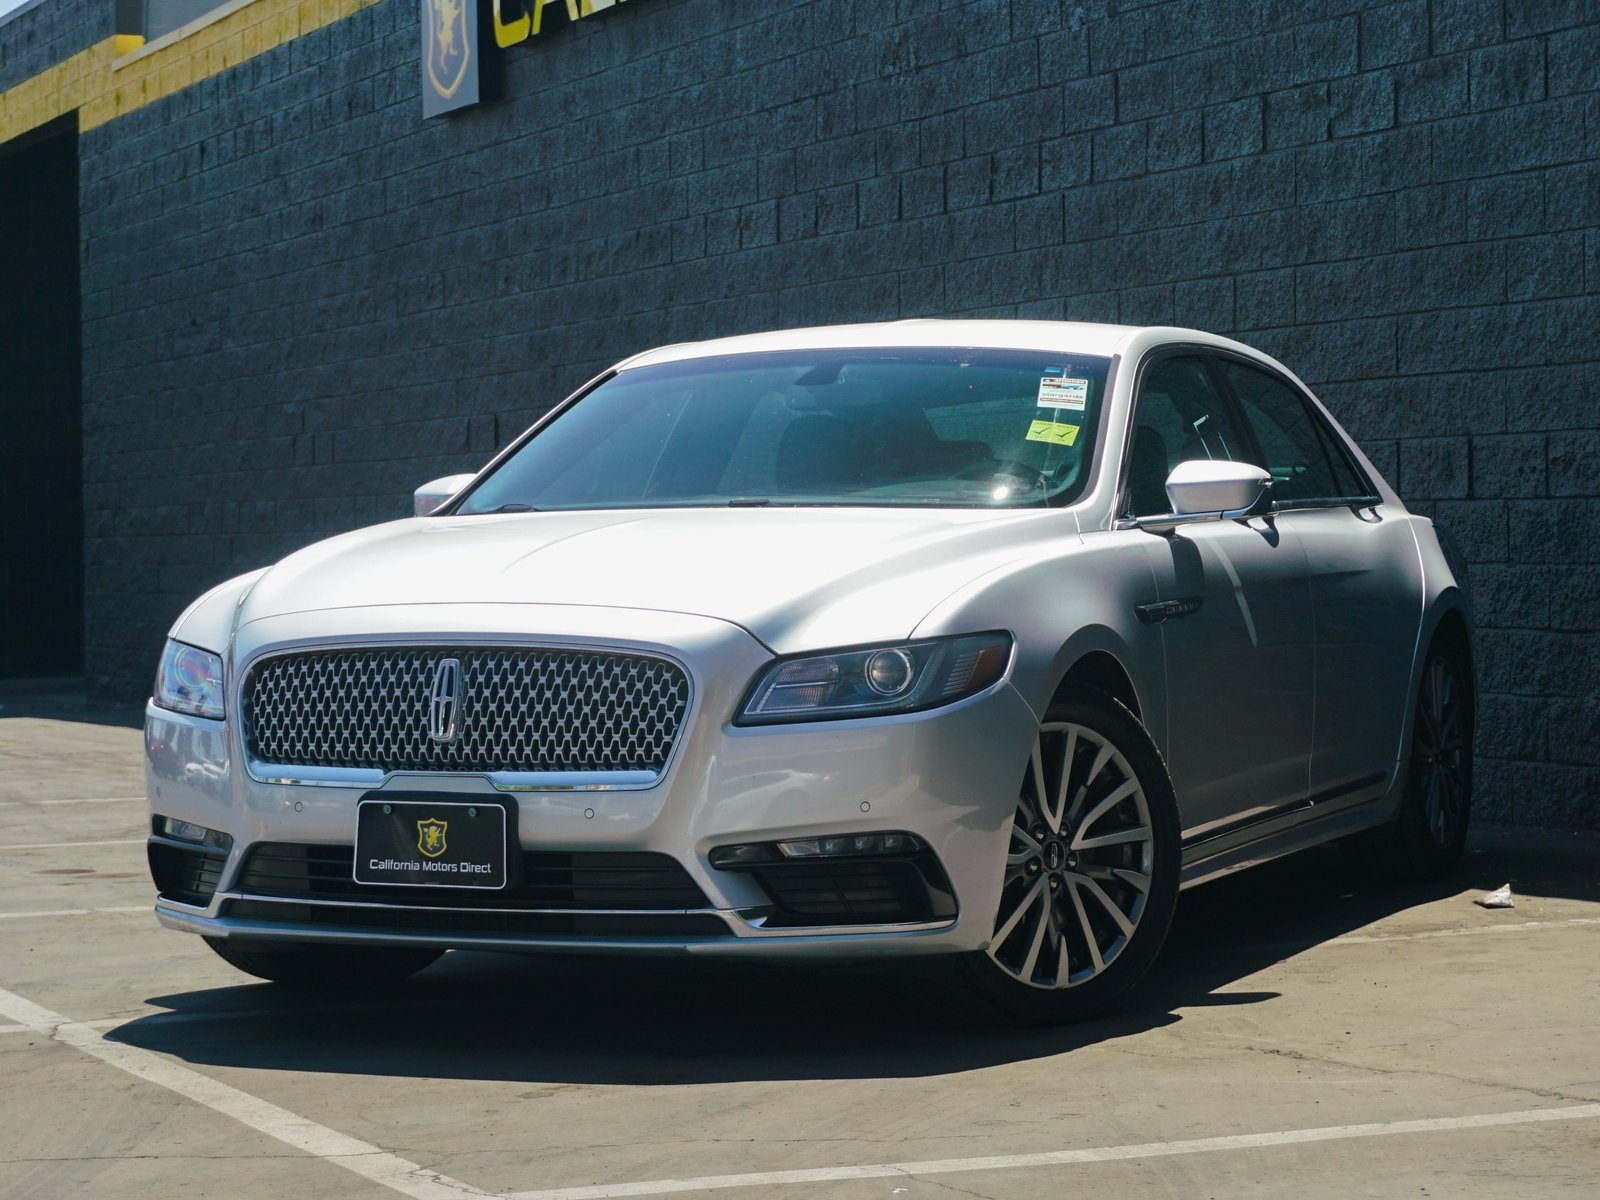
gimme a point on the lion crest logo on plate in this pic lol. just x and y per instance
(430, 836)
(447, 44)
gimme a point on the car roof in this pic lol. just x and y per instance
(1075, 337)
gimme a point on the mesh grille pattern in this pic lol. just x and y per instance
(521, 710)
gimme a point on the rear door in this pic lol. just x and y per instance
(1364, 577)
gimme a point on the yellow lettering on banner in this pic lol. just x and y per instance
(1053, 432)
(518, 20)
(540, 5)
(509, 33)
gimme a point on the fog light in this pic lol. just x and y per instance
(734, 858)
(188, 831)
(860, 843)
(725, 857)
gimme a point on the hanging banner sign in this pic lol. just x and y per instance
(518, 20)
(451, 56)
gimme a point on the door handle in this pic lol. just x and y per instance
(1165, 610)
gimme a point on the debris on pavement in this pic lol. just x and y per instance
(1499, 898)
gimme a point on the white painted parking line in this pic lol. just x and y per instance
(99, 800)
(68, 845)
(75, 800)
(72, 912)
(354, 1155)
(1054, 1158)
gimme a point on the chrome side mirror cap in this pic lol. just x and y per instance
(1217, 488)
(431, 497)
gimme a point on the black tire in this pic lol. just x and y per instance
(1428, 835)
(345, 968)
(1058, 898)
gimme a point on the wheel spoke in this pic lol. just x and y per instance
(1088, 929)
(1068, 753)
(1023, 905)
(1041, 797)
(1431, 806)
(1101, 758)
(1106, 902)
(1134, 879)
(1104, 874)
(1114, 798)
(1032, 961)
(1139, 833)
(1031, 848)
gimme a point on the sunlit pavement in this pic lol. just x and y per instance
(1305, 1035)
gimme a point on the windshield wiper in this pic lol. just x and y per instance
(514, 507)
(749, 502)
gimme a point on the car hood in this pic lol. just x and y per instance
(793, 577)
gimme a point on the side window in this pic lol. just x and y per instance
(1178, 415)
(1302, 456)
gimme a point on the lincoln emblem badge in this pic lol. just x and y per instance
(444, 701)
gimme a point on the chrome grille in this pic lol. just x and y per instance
(522, 709)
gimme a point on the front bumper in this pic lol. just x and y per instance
(947, 776)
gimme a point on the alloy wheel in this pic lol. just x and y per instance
(1080, 862)
(1439, 758)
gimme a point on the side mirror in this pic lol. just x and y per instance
(1216, 487)
(431, 497)
(1207, 490)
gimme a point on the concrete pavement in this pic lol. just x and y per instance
(1432, 1047)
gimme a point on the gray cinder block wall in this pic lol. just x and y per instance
(38, 35)
(301, 300)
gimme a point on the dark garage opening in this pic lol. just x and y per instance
(41, 400)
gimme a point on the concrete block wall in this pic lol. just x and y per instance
(301, 300)
(37, 36)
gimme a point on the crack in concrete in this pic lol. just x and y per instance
(1420, 1072)
(950, 1187)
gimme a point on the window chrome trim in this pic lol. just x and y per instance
(367, 778)
(1283, 506)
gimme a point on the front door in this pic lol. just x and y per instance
(1235, 612)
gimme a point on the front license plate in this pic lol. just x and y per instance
(429, 844)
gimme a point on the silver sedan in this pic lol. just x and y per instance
(971, 641)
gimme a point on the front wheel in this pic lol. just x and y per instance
(336, 967)
(1090, 878)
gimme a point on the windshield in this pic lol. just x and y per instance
(978, 428)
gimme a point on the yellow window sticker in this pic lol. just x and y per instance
(1056, 391)
(1054, 432)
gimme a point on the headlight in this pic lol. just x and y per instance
(876, 680)
(189, 681)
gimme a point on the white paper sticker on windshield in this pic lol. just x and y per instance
(1063, 392)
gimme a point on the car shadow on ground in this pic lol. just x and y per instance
(675, 1021)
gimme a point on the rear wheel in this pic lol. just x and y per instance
(345, 967)
(1427, 837)
(1091, 873)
